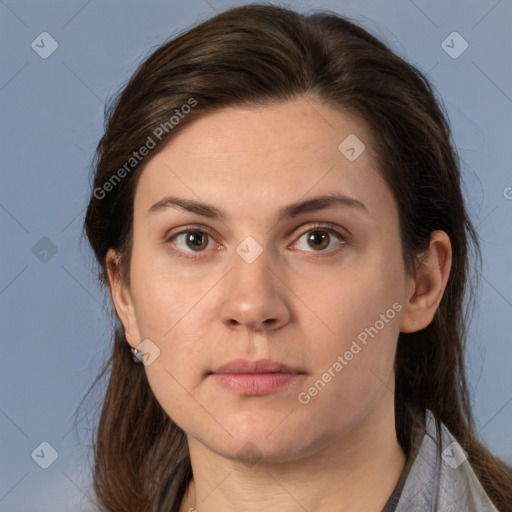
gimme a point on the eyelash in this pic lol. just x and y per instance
(197, 255)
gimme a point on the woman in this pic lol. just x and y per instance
(277, 215)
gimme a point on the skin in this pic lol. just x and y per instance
(299, 303)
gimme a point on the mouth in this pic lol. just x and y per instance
(255, 378)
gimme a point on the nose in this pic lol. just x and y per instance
(252, 298)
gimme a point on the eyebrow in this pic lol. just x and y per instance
(293, 210)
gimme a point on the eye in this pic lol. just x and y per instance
(319, 238)
(193, 240)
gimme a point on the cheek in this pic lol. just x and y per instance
(166, 296)
(342, 300)
(359, 307)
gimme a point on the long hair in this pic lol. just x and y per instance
(261, 55)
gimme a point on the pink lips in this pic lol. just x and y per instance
(255, 378)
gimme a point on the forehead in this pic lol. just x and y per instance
(261, 158)
(293, 128)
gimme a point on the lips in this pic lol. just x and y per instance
(259, 366)
(255, 378)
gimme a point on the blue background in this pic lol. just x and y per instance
(55, 328)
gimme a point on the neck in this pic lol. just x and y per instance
(356, 473)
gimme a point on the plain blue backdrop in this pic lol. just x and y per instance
(55, 325)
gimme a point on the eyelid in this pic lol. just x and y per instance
(344, 233)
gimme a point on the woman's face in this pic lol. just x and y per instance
(263, 270)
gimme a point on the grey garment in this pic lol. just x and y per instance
(437, 477)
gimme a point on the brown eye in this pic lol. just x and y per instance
(320, 239)
(191, 241)
(196, 240)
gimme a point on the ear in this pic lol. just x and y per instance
(427, 286)
(122, 299)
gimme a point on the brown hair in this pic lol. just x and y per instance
(257, 55)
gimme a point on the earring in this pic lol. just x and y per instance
(136, 355)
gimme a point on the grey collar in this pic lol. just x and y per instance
(441, 478)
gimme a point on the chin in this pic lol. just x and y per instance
(261, 439)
